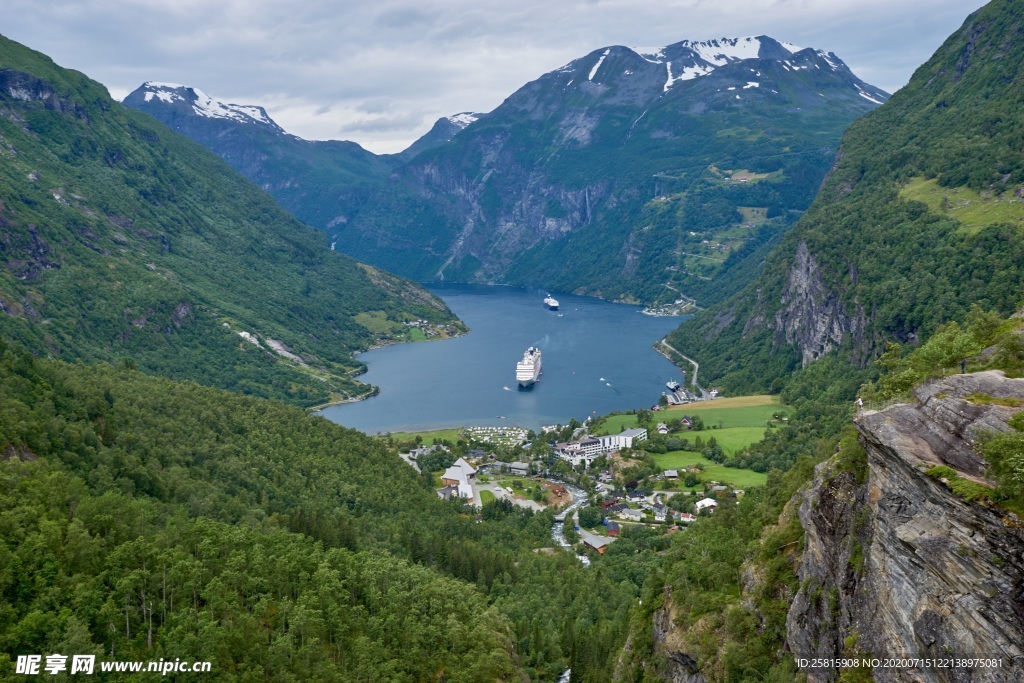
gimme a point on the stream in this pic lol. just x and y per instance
(579, 499)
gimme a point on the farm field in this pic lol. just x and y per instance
(712, 471)
(741, 411)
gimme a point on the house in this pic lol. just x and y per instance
(461, 472)
(719, 489)
(613, 528)
(631, 515)
(475, 453)
(448, 492)
(671, 474)
(598, 543)
(417, 452)
(624, 439)
(659, 513)
(708, 504)
(662, 428)
(685, 517)
(636, 495)
(463, 491)
(519, 468)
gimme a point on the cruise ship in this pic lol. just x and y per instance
(551, 302)
(528, 369)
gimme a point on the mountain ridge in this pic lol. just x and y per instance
(124, 241)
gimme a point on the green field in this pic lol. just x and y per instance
(614, 424)
(429, 438)
(712, 471)
(485, 497)
(974, 210)
(731, 439)
(732, 412)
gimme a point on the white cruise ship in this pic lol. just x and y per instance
(528, 369)
(551, 302)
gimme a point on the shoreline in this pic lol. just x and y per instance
(376, 390)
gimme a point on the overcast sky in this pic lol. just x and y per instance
(380, 72)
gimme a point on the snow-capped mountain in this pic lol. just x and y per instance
(193, 100)
(443, 130)
(622, 173)
(604, 176)
(319, 182)
(646, 71)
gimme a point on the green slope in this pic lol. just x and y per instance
(122, 240)
(918, 219)
(276, 544)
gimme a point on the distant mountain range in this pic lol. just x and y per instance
(122, 241)
(631, 174)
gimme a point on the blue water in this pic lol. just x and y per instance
(597, 357)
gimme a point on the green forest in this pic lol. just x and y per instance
(143, 517)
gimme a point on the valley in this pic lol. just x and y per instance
(188, 470)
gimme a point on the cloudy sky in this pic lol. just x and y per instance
(381, 72)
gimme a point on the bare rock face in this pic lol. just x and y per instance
(812, 316)
(897, 565)
(680, 667)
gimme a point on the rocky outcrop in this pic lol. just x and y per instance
(813, 317)
(680, 667)
(24, 87)
(895, 564)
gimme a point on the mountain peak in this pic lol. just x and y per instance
(194, 101)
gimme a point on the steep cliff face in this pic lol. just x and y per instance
(669, 643)
(812, 316)
(895, 563)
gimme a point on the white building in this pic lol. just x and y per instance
(582, 451)
(706, 503)
(461, 475)
(625, 439)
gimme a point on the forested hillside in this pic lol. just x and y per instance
(122, 240)
(921, 216)
(143, 518)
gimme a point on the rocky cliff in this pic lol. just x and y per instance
(898, 565)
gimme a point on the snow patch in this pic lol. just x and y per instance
(825, 56)
(463, 119)
(654, 55)
(593, 72)
(867, 96)
(204, 105)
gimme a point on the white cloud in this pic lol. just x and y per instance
(381, 73)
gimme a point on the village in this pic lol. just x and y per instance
(606, 477)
